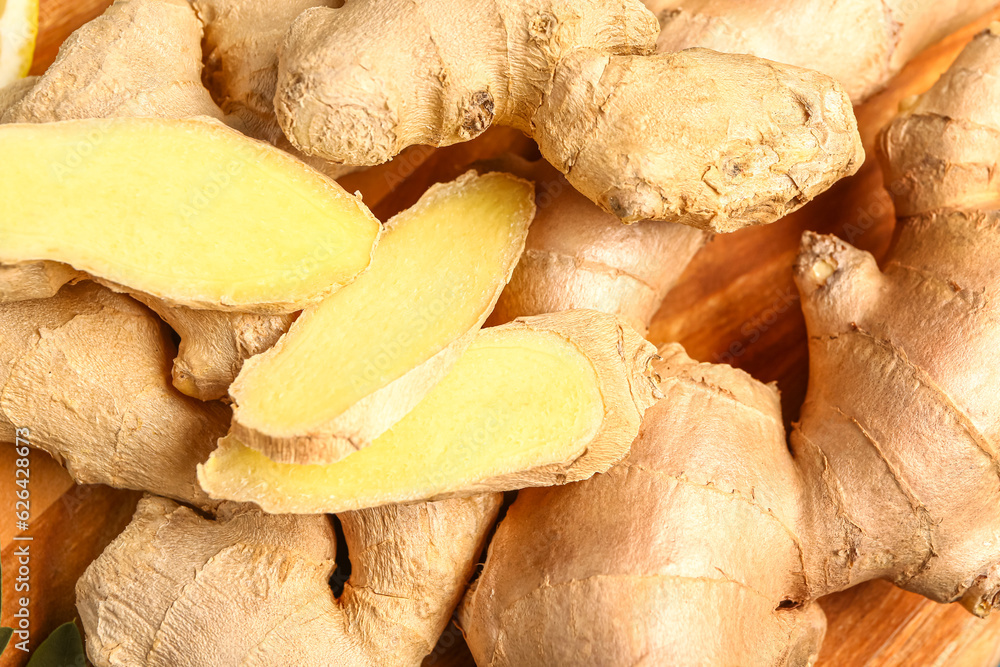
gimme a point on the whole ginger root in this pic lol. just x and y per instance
(893, 469)
(860, 43)
(900, 421)
(711, 140)
(579, 258)
(87, 373)
(248, 588)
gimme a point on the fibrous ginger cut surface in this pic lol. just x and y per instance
(540, 401)
(358, 362)
(185, 210)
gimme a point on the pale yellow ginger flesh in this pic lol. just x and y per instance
(355, 364)
(541, 401)
(189, 211)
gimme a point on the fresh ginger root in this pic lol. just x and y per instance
(711, 140)
(251, 589)
(580, 257)
(214, 344)
(87, 373)
(140, 58)
(688, 552)
(544, 400)
(242, 40)
(894, 473)
(860, 43)
(900, 420)
(165, 37)
(355, 364)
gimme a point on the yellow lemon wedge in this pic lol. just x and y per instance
(18, 29)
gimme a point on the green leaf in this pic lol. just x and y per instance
(5, 634)
(63, 648)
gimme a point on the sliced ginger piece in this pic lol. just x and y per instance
(544, 400)
(189, 211)
(354, 365)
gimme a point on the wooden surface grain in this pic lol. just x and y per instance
(736, 304)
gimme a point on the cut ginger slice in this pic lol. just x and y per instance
(189, 211)
(544, 400)
(354, 365)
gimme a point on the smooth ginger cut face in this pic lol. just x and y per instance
(438, 270)
(516, 400)
(188, 211)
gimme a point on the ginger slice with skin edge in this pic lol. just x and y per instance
(710, 461)
(355, 364)
(206, 238)
(543, 400)
(166, 36)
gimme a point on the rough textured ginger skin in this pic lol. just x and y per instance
(641, 565)
(579, 259)
(901, 421)
(178, 590)
(578, 256)
(215, 344)
(87, 373)
(242, 39)
(860, 43)
(141, 58)
(895, 473)
(711, 140)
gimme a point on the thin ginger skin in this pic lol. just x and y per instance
(643, 136)
(893, 470)
(87, 372)
(860, 43)
(271, 574)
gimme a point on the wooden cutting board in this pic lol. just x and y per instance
(736, 304)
